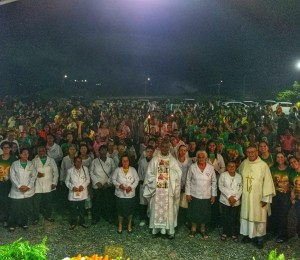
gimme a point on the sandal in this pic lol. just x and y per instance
(223, 237)
(235, 238)
(192, 234)
(204, 235)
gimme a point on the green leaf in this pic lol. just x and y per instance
(22, 250)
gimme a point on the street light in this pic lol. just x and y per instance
(219, 87)
(146, 82)
(64, 80)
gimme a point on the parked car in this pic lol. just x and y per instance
(250, 103)
(268, 102)
(286, 106)
(234, 104)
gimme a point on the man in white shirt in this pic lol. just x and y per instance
(101, 171)
(45, 183)
(53, 150)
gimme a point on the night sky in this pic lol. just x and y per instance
(184, 46)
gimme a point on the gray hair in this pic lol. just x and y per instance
(203, 152)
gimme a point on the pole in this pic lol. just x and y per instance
(147, 80)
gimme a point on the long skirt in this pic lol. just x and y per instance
(199, 211)
(230, 217)
(125, 207)
(280, 207)
(20, 210)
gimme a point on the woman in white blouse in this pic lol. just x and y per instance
(201, 191)
(77, 180)
(22, 176)
(67, 162)
(214, 158)
(84, 154)
(230, 185)
(125, 179)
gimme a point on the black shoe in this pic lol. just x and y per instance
(260, 244)
(50, 219)
(72, 227)
(246, 240)
(155, 235)
(83, 225)
(171, 236)
(11, 229)
(25, 227)
(281, 240)
(271, 235)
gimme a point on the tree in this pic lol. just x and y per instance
(292, 95)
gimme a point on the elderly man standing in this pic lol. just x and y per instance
(45, 184)
(101, 171)
(162, 188)
(258, 190)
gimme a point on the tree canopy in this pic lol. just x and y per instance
(292, 95)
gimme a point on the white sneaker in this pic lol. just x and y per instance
(142, 223)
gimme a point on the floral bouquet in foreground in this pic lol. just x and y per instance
(94, 257)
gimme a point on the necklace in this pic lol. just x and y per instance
(231, 180)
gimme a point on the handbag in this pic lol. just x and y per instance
(183, 202)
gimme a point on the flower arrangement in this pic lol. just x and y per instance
(93, 257)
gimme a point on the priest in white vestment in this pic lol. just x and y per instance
(162, 188)
(258, 190)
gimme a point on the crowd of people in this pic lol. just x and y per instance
(171, 164)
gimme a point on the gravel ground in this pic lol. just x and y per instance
(140, 245)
